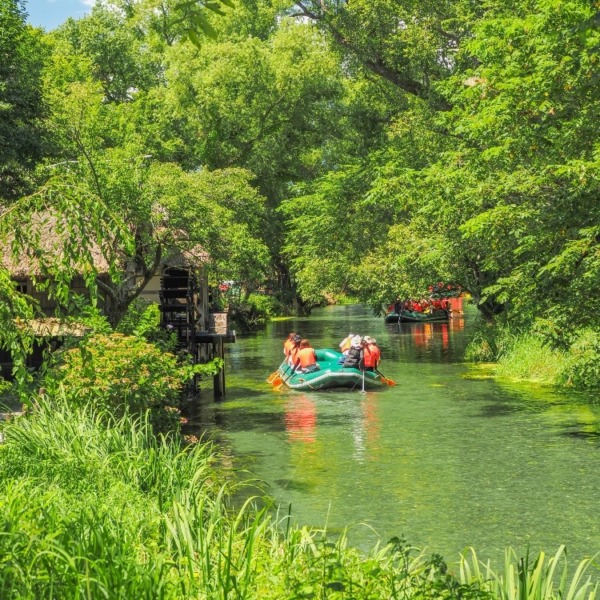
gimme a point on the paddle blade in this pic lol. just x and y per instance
(277, 381)
(386, 380)
(272, 377)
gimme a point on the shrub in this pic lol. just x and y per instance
(483, 346)
(529, 358)
(581, 367)
(120, 373)
(254, 311)
(142, 319)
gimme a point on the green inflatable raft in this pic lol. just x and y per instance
(330, 375)
(409, 316)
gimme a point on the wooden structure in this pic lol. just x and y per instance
(184, 310)
(178, 285)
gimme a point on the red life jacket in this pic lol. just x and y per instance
(371, 356)
(307, 357)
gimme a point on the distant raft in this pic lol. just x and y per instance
(330, 375)
(410, 316)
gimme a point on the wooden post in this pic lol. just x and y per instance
(219, 378)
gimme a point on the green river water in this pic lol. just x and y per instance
(445, 461)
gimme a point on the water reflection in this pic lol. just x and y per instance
(301, 419)
(427, 341)
(365, 431)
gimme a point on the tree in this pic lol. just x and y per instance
(21, 106)
(489, 182)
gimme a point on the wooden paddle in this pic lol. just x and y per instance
(385, 379)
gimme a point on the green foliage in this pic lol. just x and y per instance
(21, 105)
(15, 308)
(142, 319)
(483, 345)
(84, 503)
(581, 368)
(529, 578)
(527, 357)
(531, 356)
(253, 311)
(123, 374)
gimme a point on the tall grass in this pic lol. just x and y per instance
(524, 578)
(537, 355)
(525, 357)
(98, 507)
(519, 355)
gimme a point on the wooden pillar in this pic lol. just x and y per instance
(219, 378)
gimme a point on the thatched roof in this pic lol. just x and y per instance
(53, 327)
(53, 241)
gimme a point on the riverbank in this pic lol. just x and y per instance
(96, 506)
(532, 356)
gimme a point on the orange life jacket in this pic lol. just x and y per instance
(371, 356)
(307, 357)
(287, 347)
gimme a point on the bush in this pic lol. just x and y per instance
(255, 311)
(581, 367)
(529, 357)
(120, 373)
(483, 346)
(142, 319)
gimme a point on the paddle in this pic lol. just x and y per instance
(385, 379)
(363, 382)
(287, 378)
(274, 377)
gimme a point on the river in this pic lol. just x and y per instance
(445, 460)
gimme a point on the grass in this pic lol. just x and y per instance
(528, 359)
(524, 578)
(98, 507)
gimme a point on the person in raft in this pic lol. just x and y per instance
(371, 354)
(346, 343)
(294, 348)
(289, 344)
(344, 346)
(306, 359)
(353, 359)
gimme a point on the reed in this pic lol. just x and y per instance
(524, 578)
